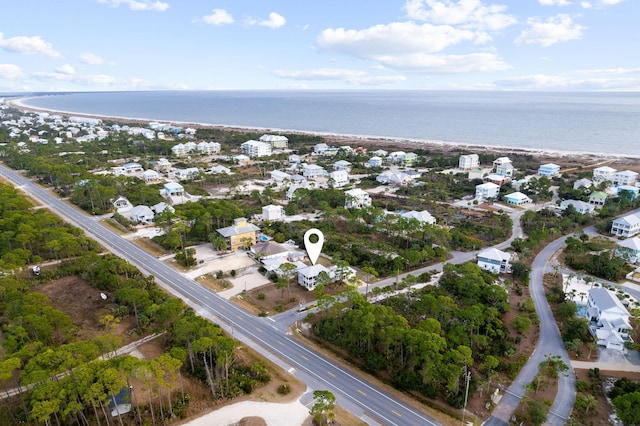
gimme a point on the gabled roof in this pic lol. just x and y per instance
(237, 230)
(607, 301)
(312, 271)
(630, 219)
(631, 243)
(519, 196)
(495, 254)
(423, 216)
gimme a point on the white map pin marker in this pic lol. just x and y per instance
(313, 249)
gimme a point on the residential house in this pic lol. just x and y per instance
(494, 260)
(598, 199)
(582, 183)
(209, 147)
(342, 165)
(380, 153)
(356, 198)
(468, 162)
(308, 277)
(581, 207)
(218, 169)
(279, 177)
(627, 191)
(517, 198)
(173, 189)
(503, 166)
(626, 226)
(273, 213)
(549, 170)
(319, 149)
(394, 177)
(240, 234)
(396, 157)
(132, 168)
(294, 159)
(410, 159)
(269, 250)
(497, 179)
(276, 141)
(255, 149)
(339, 178)
(604, 173)
(142, 214)
(241, 159)
(625, 177)
(629, 249)
(162, 164)
(609, 319)
(150, 175)
(186, 174)
(312, 171)
(422, 217)
(162, 207)
(487, 190)
(122, 204)
(375, 162)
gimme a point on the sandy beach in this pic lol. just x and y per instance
(559, 156)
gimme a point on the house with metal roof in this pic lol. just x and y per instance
(609, 319)
(240, 234)
(494, 260)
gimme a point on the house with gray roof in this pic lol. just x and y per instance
(609, 319)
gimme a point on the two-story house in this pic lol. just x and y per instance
(240, 234)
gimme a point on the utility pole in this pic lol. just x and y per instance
(466, 392)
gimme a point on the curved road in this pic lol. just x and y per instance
(356, 394)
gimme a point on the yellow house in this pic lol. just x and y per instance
(240, 234)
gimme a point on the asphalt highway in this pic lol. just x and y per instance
(354, 393)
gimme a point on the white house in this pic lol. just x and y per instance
(625, 177)
(186, 174)
(339, 178)
(549, 170)
(375, 162)
(255, 149)
(356, 198)
(629, 249)
(503, 166)
(396, 157)
(142, 214)
(219, 169)
(487, 190)
(276, 141)
(495, 261)
(626, 226)
(598, 198)
(150, 175)
(582, 183)
(517, 198)
(609, 318)
(279, 177)
(132, 168)
(173, 189)
(209, 147)
(580, 206)
(342, 165)
(273, 213)
(468, 162)
(422, 217)
(179, 150)
(312, 171)
(394, 177)
(308, 277)
(604, 173)
(320, 148)
(122, 204)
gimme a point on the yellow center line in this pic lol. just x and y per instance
(396, 413)
(331, 374)
(259, 329)
(304, 357)
(361, 393)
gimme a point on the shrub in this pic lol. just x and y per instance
(261, 296)
(284, 389)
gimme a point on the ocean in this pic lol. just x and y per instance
(585, 122)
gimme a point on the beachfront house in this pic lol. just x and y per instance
(356, 199)
(469, 162)
(625, 177)
(487, 190)
(604, 173)
(240, 234)
(629, 249)
(276, 141)
(549, 170)
(609, 319)
(517, 198)
(626, 226)
(255, 149)
(581, 207)
(273, 213)
(503, 166)
(494, 260)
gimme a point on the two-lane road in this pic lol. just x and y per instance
(354, 393)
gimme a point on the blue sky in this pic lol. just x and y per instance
(87, 45)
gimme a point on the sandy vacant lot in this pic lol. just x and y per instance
(292, 413)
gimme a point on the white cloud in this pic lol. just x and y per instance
(555, 30)
(354, 77)
(157, 6)
(66, 69)
(445, 64)
(466, 13)
(91, 59)
(28, 46)
(218, 17)
(395, 38)
(554, 2)
(275, 21)
(10, 72)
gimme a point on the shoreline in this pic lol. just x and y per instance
(349, 139)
